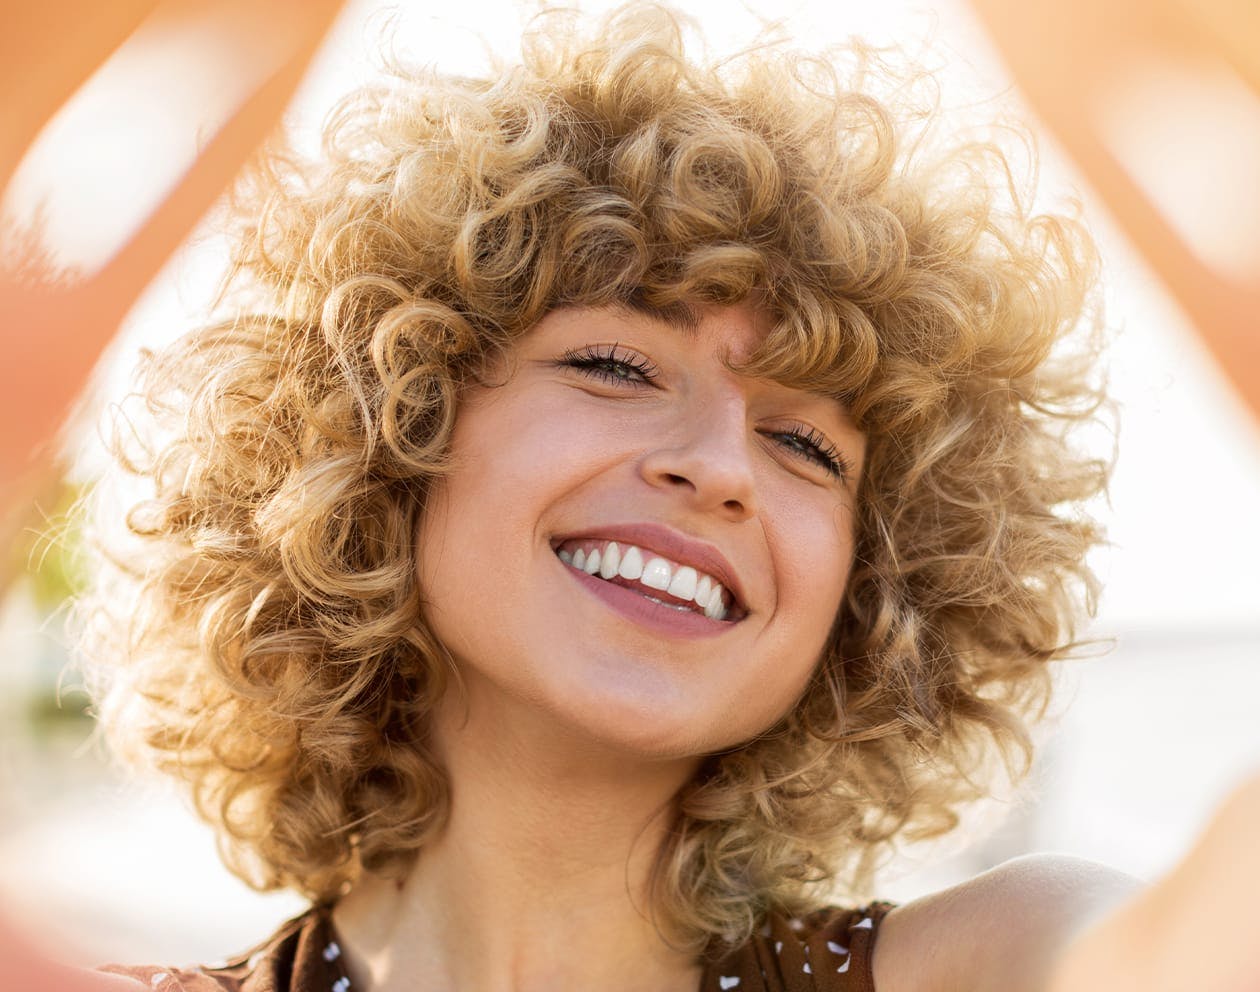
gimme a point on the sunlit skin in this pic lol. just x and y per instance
(698, 449)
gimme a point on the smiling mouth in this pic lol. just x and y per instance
(656, 578)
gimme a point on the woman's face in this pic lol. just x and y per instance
(613, 427)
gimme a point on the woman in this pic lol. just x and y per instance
(626, 498)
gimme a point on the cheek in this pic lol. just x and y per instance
(464, 581)
(813, 562)
(457, 541)
(813, 552)
(442, 586)
(485, 521)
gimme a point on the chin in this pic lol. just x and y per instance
(655, 727)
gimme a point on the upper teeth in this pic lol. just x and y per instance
(609, 559)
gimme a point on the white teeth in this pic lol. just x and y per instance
(656, 574)
(681, 581)
(611, 561)
(683, 584)
(631, 566)
(704, 589)
(715, 610)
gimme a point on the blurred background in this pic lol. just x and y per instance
(1147, 736)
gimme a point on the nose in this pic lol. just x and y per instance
(708, 459)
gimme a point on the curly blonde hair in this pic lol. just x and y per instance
(264, 639)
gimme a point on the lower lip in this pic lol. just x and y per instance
(640, 609)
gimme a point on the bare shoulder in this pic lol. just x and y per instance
(1001, 930)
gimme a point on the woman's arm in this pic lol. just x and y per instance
(1048, 923)
(1002, 931)
(21, 967)
(1195, 929)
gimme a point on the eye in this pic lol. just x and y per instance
(611, 363)
(810, 444)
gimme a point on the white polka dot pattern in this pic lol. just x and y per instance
(841, 951)
(825, 951)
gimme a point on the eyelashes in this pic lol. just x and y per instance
(812, 445)
(611, 363)
(619, 366)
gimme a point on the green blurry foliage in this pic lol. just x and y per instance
(49, 559)
(46, 567)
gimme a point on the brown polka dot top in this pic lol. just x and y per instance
(827, 951)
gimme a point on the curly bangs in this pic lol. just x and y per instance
(256, 627)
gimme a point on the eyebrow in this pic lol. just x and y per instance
(679, 316)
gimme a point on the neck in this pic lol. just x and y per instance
(540, 878)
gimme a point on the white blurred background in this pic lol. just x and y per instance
(1151, 735)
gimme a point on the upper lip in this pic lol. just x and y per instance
(668, 543)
